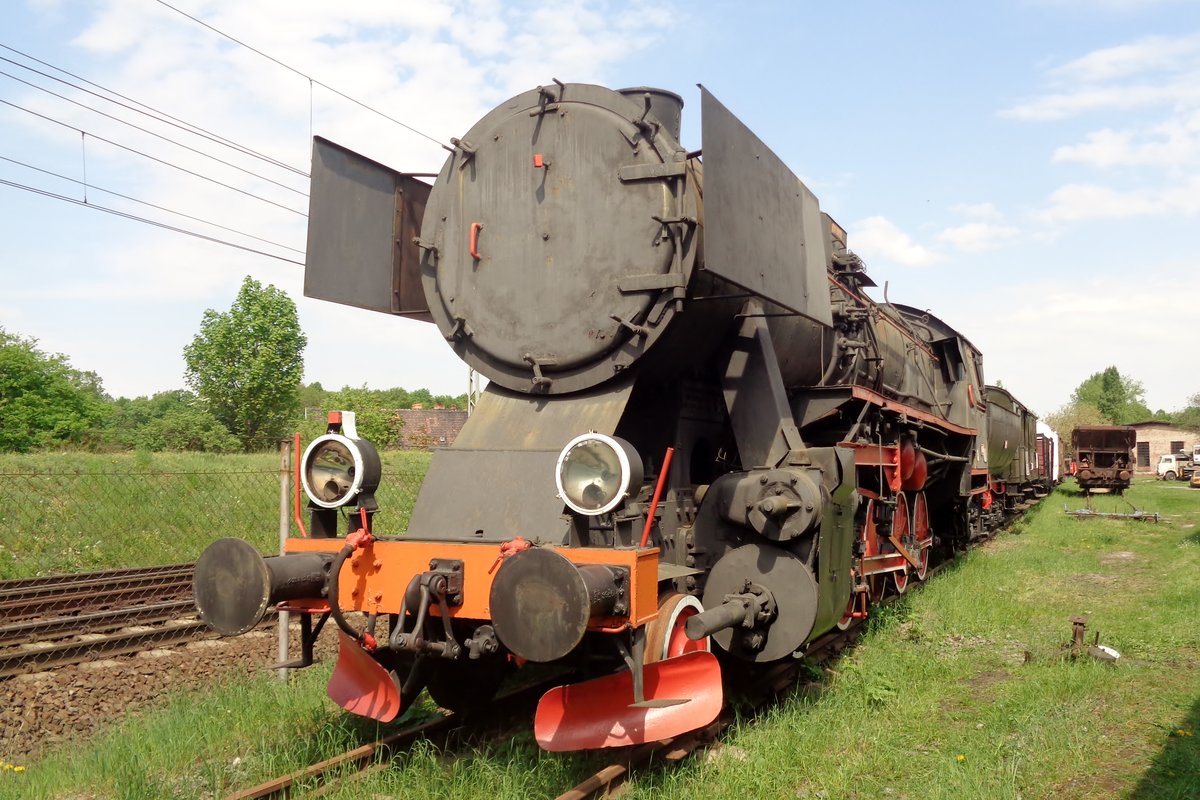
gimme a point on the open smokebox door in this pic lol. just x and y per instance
(363, 218)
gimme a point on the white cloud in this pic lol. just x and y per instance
(1079, 202)
(879, 238)
(437, 65)
(1170, 145)
(975, 237)
(981, 211)
(1012, 330)
(1156, 71)
(1147, 94)
(1063, 105)
(1150, 54)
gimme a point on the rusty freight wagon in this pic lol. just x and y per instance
(1104, 457)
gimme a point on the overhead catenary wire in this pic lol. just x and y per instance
(153, 158)
(157, 224)
(145, 110)
(304, 75)
(229, 164)
(94, 187)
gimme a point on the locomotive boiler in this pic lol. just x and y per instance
(701, 443)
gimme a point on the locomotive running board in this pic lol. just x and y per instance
(682, 694)
(361, 685)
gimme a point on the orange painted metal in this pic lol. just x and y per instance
(361, 685)
(600, 712)
(374, 578)
(296, 486)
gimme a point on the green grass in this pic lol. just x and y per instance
(962, 690)
(73, 512)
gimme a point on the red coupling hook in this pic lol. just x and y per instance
(359, 538)
(510, 548)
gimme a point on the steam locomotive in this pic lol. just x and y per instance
(702, 443)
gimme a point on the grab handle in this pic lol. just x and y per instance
(476, 227)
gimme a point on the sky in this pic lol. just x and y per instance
(1028, 171)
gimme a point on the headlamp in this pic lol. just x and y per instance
(595, 473)
(338, 470)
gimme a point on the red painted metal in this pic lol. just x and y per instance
(908, 458)
(863, 393)
(658, 487)
(920, 473)
(476, 227)
(599, 713)
(361, 685)
(922, 532)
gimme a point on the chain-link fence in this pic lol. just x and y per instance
(96, 551)
(79, 513)
(95, 562)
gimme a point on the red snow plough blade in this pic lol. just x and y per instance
(361, 685)
(681, 695)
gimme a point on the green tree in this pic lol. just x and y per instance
(246, 363)
(186, 428)
(1071, 416)
(374, 417)
(1119, 399)
(1188, 417)
(43, 400)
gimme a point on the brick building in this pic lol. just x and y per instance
(1155, 439)
(430, 428)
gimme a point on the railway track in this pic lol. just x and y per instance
(35, 597)
(319, 779)
(59, 620)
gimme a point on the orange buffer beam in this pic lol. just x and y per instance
(375, 577)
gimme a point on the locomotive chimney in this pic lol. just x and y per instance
(666, 107)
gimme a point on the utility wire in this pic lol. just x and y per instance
(87, 186)
(311, 79)
(152, 133)
(153, 158)
(153, 113)
(155, 223)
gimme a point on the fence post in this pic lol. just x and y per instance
(284, 528)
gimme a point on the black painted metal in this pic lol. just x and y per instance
(363, 218)
(778, 251)
(540, 605)
(234, 585)
(575, 268)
